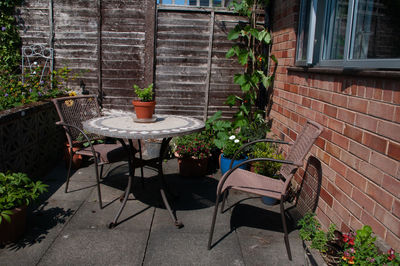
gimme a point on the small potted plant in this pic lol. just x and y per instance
(145, 107)
(267, 168)
(231, 145)
(192, 152)
(17, 191)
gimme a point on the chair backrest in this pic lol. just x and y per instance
(76, 109)
(299, 149)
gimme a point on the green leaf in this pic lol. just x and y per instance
(243, 57)
(231, 100)
(233, 34)
(274, 59)
(240, 79)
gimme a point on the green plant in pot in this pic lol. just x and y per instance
(17, 191)
(266, 150)
(193, 152)
(144, 108)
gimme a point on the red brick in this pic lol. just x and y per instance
(321, 119)
(377, 94)
(326, 197)
(356, 179)
(377, 227)
(323, 219)
(380, 196)
(396, 208)
(340, 140)
(320, 143)
(306, 102)
(365, 202)
(392, 185)
(335, 125)
(397, 114)
(330, 110)
(343, 185)
(338, 166)
(391, 222)
(359, 150)
(394, 150)
(392, 240)
(371, 172)
(350, 159)
(353, 133)
(390, 130)
(366, 122)
(359, 105)
(383, 162)
(341, 211)
(325, 96)
(346, 116)
(379, 109)
(340, 100)
(396, 97)
(375, 142)
(387, 96)
(317, 106)
(344, 227)
(332, 149)
(355, 224)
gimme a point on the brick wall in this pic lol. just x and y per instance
(360, 146)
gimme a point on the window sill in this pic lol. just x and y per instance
(352, 72)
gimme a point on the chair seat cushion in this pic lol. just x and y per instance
(107, 153)
(247, 181)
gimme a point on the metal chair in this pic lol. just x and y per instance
(247, 181)
(72, 112)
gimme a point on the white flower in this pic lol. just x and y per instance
(236, 141)
(232, 137)
(34, 72)
(35, 63)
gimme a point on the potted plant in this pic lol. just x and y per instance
(192, 152)
(231, 145)
(266, 168)
(17, 191)
(145, 107)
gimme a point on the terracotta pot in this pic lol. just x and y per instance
(11, 232)
(192, 167)
(144, 110)
(76, 158)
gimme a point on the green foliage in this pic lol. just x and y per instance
(196, 145)
(16, 190)
(10, 41)
(14, 93)
(252, 38)
(266, 150)
(145, 94)
(319, 241)
(231, 145)
(309, 226)
(219, 129)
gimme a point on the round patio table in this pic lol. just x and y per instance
(126, 126)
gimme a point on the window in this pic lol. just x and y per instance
(349, 33)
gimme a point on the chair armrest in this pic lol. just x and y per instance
(256, 141)
(231, 170)
(68, 126)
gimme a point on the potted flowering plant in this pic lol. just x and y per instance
(16, 192)
(231, 145)
(192, 152)
(144, 108)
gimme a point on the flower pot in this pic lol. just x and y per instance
(269, 201)
(11, 232)
(192, 167)
(225, 162)
(144, 110)
(76, 158)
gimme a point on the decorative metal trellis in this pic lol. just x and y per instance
(35, 56)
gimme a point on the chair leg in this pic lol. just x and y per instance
(69, 171)
(101, 171)
(286, 237)
(98, 183)
(213, 223)
(224, 196)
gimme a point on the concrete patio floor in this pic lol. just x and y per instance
(70, 229)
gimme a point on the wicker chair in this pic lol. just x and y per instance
(72, 112)
(247, 181)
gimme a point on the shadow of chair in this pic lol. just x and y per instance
(73, 111)
(246, 181)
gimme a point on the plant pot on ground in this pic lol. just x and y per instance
(17, 191)
(193, 152)
(231, 145)
(144, 108)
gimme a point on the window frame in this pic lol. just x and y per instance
(318, 39)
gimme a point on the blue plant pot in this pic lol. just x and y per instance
(269, 201)
(225, 162)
